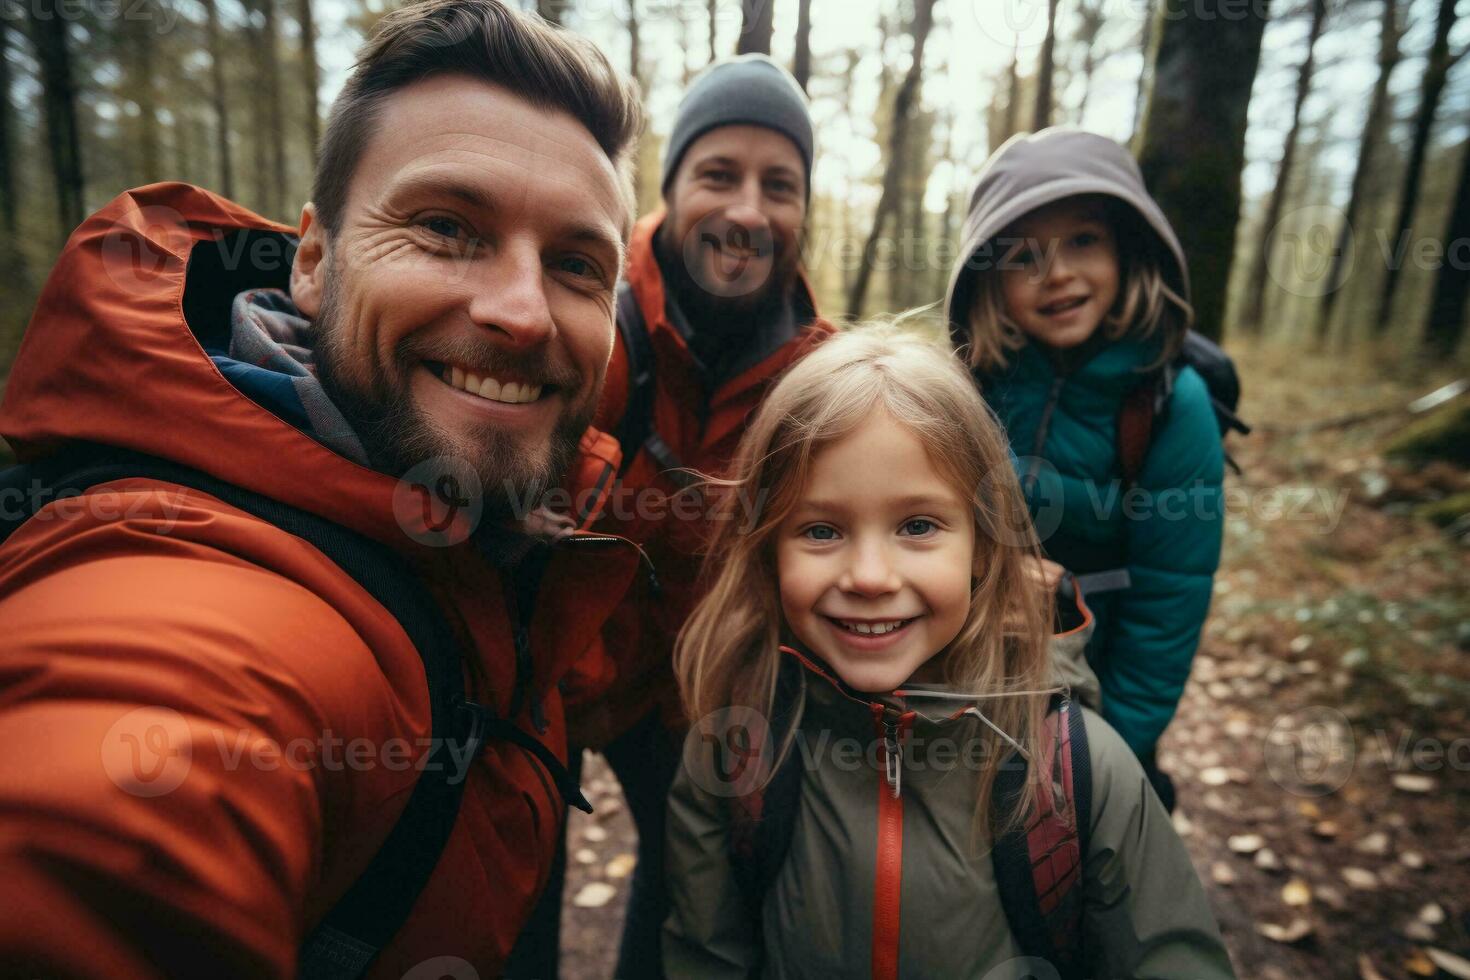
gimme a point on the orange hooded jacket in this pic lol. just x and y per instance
(644, 506)
(208, 725)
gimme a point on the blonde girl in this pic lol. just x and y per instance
(873, 643)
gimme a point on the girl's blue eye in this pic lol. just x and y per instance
(919, 526)
(820, 532)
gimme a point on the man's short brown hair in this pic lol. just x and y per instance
(485, 39)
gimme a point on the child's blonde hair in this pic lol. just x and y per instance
(1146, 303)
(727, 653)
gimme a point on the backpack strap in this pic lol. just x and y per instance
(763, 820)
(1039, 867)
(1141, 408)
(373, 909)
(636, 431)
(637, 421)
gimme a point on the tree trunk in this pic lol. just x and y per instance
(1193, 138)
(1436, 71)
(714, 30)
(801, 62)
(9, 200)
(552, 10)
(757, 24)
(635, 45)
(1445, 323)
(1261, 266)
(137, 30)
(1045, 70)
(218, 100)
(1090, 17)
(1389, 53)
(903, 105)
(48, 31)
(310, 77)
(1146, 40)
(275, 135)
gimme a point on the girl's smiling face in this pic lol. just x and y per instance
(878, 537)
(1060, 274)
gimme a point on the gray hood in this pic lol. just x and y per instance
(1034, 169)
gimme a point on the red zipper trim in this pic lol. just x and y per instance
(888, 873)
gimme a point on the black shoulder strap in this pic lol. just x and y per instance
(637, 422)
(378, 903)
(1040, 894)
(763, 821)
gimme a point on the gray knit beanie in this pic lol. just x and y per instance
(750, 90)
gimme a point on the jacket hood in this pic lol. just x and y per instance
(115, 354)
(1031, 170)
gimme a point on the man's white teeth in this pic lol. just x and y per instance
(512, 392)
(872, 627)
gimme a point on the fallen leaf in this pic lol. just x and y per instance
(1222, 873)
(1412, 859)
(1413, 783)
(1183, 826)
(1215, 776)
(608, 808)
(594, 833)
(1360, 878)
(621, 866)
(1417, 931)
(1366, 969)
(594, 895)
(1246, 843)
(1293, 932)
(1325, 829)
(1267, 860)
(1375, 843)
(1296, 893)
(1432, 914)
(1301, 644)
(1455, 966)
(1309, 810)
(1419, 964)
(585, 856)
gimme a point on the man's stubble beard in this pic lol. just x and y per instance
(726, 315)
(397, 435)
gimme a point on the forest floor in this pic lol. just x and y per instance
(1322, 751)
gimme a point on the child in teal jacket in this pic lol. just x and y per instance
(1071, 292)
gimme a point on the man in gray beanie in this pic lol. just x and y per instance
(714, 307)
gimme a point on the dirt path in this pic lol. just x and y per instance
(1322, 750)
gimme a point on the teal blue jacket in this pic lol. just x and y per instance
(1166, 530)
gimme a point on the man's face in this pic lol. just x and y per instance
(465, 306)
(735, 210)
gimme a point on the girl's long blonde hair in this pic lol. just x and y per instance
(727, 653)
(1146, 303)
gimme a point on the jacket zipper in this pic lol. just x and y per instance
(888, 867)
(1034, 467)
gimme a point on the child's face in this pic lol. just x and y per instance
(1060, 277)
(877, 536)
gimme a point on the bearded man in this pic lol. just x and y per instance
(280, 680)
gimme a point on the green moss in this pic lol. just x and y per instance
(1443, 513)
(1444, 434)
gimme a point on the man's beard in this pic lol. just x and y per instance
(396, 435)
(717, 315)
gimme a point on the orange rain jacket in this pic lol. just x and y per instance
(154, 635)
(640, 637)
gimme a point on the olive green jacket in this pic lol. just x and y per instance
(1144, 910)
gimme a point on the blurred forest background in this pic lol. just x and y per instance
(1312, 155)
(1311, 152)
